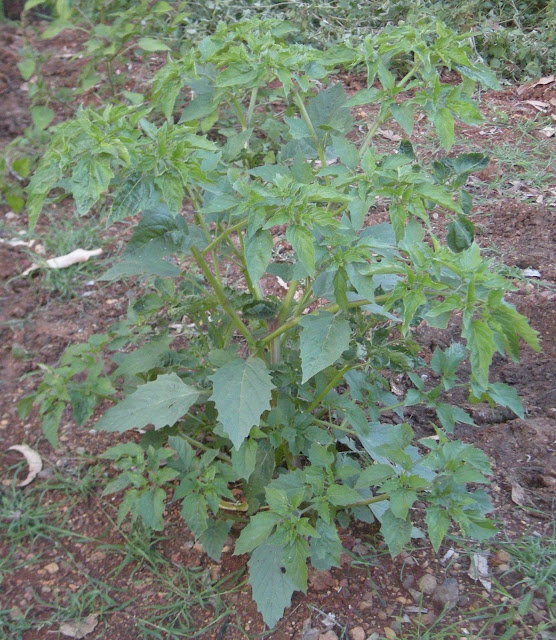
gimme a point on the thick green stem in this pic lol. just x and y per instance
(252, 104)
(222, 298)
(371, 500)
(332, 308)
(287, 301)
(202, 447)
(310, 126)
(239, 112)
(339, 375)
(223, 236)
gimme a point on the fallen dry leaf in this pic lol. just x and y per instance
(33, 460)
(61, 262)
(479, 570)
(548, 131)
(539, 105)
(518, 494)
(545, 80)
(80, 628)
(389, 135)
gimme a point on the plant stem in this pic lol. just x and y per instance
(287, 301)
(339, 375)
(371, 500)
(252, 104)
(239, 112)
(223, 236)
(202, 447)
(309, 124)
(331, 425)
(333, 308)
(222, 298)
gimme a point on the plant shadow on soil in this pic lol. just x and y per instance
(64, 560)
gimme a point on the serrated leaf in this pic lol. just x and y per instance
(438, 523)
(150, 507)
(506, 396)
(374, 475)
(326, 550)
(301, 239)
(396, 532)
(324, 338)
(341, 495)
(194, 512)
(403, 114)
(244, 459)
(295, 562)
(256, 532)
(444, 124)
(258, 251)
(241, 391)
(214, 538)
(161, 402)
(272, 588)
(480, 342)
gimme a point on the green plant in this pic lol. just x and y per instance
(279, 413)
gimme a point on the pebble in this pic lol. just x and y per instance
(428, 618)
(408, 582)
(389, 633)
(503, 567)
(52, 568)
(357, 633)
(329, 635)
(381, 615)
(447, 593)
(502, 557)
(427, 584)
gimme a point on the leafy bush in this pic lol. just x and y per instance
(276, 411)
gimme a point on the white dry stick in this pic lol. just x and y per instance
(61, 262)
(33, 460)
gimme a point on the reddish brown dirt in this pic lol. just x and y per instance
(369, 590)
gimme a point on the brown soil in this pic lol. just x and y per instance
(370, 590)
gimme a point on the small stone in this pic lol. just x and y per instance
(416, 595)
(408, 582)
(215, 572)
(364, 605)
(463, 601)
(357, 633)
(361, 549)
(321, 580)
(428, 618)
(16, 613)
(502, 557)
(382, 616)
(52, 568)
(503, 567)
(427, 584)
(329, 635)
(198, 547)
(389, 633)
(97, 556)
(447, 594)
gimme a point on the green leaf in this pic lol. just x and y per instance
(438, 523)
(374, 475)
(150, 507)
(194, 512)
(324, 338)
(151, 44)
(42, 116)
(401, 500)
(437, 194)
(258, 251)
(214, 538)
(256, 532)
(480, 342)
(135, 192)
(326, 550)
(506, 396)
(272, 587)
(295, 562)
(444, 123)
(396, 532)
(241, 391)
(461, 234)
(244, 459)
(26, 68)
(160, 402)
(51, 423)
(301, 239)
(403, 114)
(341, 496)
